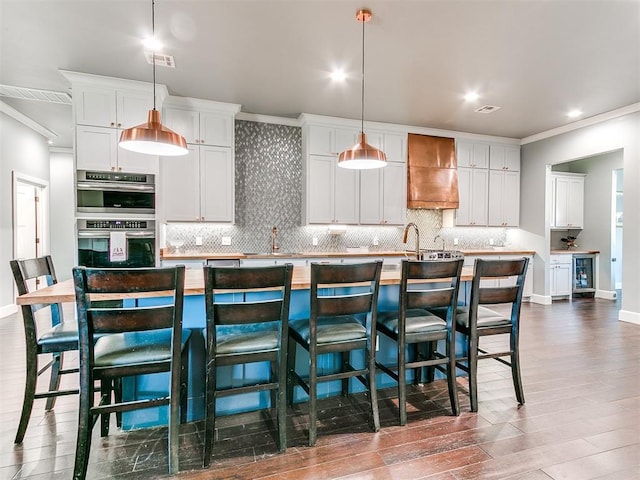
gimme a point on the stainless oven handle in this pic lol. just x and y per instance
(105, 234)
(116, 188)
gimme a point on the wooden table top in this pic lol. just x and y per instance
(63, 292)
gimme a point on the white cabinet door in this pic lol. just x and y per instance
(346, 195)
(344, 138)
(473, 186)
(180, 186)
(504, 157)
(394, 194)
(183, 122)
(504, 198)
(371, 195)
(95, 106)
(217, 184)
(568, 201)
(132, 108)
(320, 191)
(473, 155)
(96, 148)
(216, 129)
(395, 147)
(320, 140)
(134, 162)
(560, 280)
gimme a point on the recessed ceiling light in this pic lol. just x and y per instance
(152, 44)
(338, 76)
(574, 113)
(471, 96)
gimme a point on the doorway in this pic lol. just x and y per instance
(616, 229)
(30, 208)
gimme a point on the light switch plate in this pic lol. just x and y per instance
(226, 240)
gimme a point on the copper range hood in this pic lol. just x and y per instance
(432, 172)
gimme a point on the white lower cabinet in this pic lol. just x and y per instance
(198, 186)
(560, 275)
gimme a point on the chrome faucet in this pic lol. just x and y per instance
(274, 237)
(406, 234)
(436, 239)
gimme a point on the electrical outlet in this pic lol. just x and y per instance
(376, 242)
(226, 240)
(455, 241)
(314, 242)
(491, 241)
(198, 241)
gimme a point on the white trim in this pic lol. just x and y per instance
(65, 150)
(255, 117)
(92, 80)
(33, 125)
(540, 299)
(199, 104)
(8, 310)
(627, 316)
(603, 117)
(606, 294)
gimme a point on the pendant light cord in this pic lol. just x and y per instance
(153, 51)
(362, 95)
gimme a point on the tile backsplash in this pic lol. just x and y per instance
(268, 193)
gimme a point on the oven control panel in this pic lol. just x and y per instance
(116, 225)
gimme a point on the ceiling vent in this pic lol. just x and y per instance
(162, 60)
(35, 94)
(487, 109)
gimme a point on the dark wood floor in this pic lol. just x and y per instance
(581, 420)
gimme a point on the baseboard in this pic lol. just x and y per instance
(627, 316)
(606, 294)
(8, 310)
(540, 299)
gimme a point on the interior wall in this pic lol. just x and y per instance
(619, 134)
(25, 151)
(62, 220)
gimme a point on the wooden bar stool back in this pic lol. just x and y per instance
(340, 322)
(245, 326)
(134, 340)
(416, 329)
(494, 282)
(55, 338)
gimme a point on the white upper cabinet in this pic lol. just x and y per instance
(504, 198)
(199, 186)
(103, 107)
(97, 149)
(473, 185)
(472, 155)
(108, 107)
(504, 157)
(567, 200)
(332, 194)
(201, 127)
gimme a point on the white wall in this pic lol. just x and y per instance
(62, 207)
(27, 152)
(623, 134)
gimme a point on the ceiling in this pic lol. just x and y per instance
(536, 59)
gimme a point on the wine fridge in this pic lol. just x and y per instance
(584, 274)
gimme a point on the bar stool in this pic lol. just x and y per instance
(478, 321)
(245, 327)
(58, 338)
(340, 321)
(136, 340)
(414, 328)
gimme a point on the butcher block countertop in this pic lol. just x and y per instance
(63, 292)
(164, 255)
(573, 251)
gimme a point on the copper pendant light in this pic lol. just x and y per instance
(152, 137)
(362, 156)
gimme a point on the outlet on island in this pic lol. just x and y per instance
(226, 241)
(198, 241)
(314, 242)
